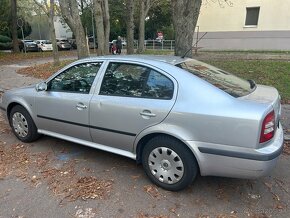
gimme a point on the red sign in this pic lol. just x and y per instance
(159, 35)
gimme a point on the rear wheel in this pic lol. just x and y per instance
(169, 163)
(22, 124)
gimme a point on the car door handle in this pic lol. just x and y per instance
(81, 106)
(147, 113)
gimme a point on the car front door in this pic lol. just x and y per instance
(64, 107)
(130, 98)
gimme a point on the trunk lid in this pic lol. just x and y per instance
(266, 95)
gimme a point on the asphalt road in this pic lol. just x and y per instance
(55, 178)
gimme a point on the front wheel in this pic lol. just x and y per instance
(22, 124)
(169, 163)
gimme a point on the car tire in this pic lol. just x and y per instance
(22, 124)
(169, 163)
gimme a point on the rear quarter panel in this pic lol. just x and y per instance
(205, 113)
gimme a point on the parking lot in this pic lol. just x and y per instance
(55, 178)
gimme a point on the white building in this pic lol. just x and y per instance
(62, 30)
(245, 25)
(40, 29)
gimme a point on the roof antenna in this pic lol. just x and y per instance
(186, 53)
(193, 45)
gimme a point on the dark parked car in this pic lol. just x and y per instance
(90, 43)
(28, 45)
(73, 43)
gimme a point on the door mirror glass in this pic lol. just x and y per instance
(41, 87)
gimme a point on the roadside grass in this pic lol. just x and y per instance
(266, 72)
(158, 52)
(249, 51)
(9, 57)
(43, 71)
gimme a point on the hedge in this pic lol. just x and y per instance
(5, 46)
(4, 39)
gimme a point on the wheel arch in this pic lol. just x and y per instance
(15, 103)
(146, 138)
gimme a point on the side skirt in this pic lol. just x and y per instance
(89, 144)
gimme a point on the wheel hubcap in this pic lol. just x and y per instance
(166, 165)
(20, 125)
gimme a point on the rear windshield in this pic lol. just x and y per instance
(221, 79)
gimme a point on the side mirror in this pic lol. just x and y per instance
(41, 87)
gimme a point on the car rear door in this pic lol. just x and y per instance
(64, 107)
(131, 97)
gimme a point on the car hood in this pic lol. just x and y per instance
(20, 90)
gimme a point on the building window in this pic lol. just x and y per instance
(252, 16)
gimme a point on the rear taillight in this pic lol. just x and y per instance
(268, 127)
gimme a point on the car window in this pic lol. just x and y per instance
(158, 86)
(221, 79)
(134, 80)
(78, 78)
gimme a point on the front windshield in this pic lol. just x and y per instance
(221, 79)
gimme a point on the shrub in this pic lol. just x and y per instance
(5, 46)
(4, 39)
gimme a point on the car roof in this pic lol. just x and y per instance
(170, 59)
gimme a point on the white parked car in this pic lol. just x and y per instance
(44, 45)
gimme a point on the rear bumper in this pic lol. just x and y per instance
(46, 49)
(32, 48)
(237, 162)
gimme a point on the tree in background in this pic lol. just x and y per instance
(102, 17)
(49, 10)
(117, 18)
(71, 14)
(185, 14)
(159, 19)
(144, 6)
(129, 5)
(14, 25)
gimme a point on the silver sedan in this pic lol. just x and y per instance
(177, 116)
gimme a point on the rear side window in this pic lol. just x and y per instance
(133, 80)
(221, 79)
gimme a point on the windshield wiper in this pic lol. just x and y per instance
(252, 83)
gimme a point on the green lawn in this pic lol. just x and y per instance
(158, 52)
(273, 73)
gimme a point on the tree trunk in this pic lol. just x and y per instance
(70, 13)
(106, 17)
(144, 8)
(130, 26)
(185, 14)
(14, 25)
(52, 34)
(100, 27)
(49, 11)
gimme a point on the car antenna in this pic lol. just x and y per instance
(186, 53)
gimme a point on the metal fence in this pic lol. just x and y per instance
(157, 44)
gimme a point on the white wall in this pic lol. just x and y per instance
(61, 30)
(274, 15)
